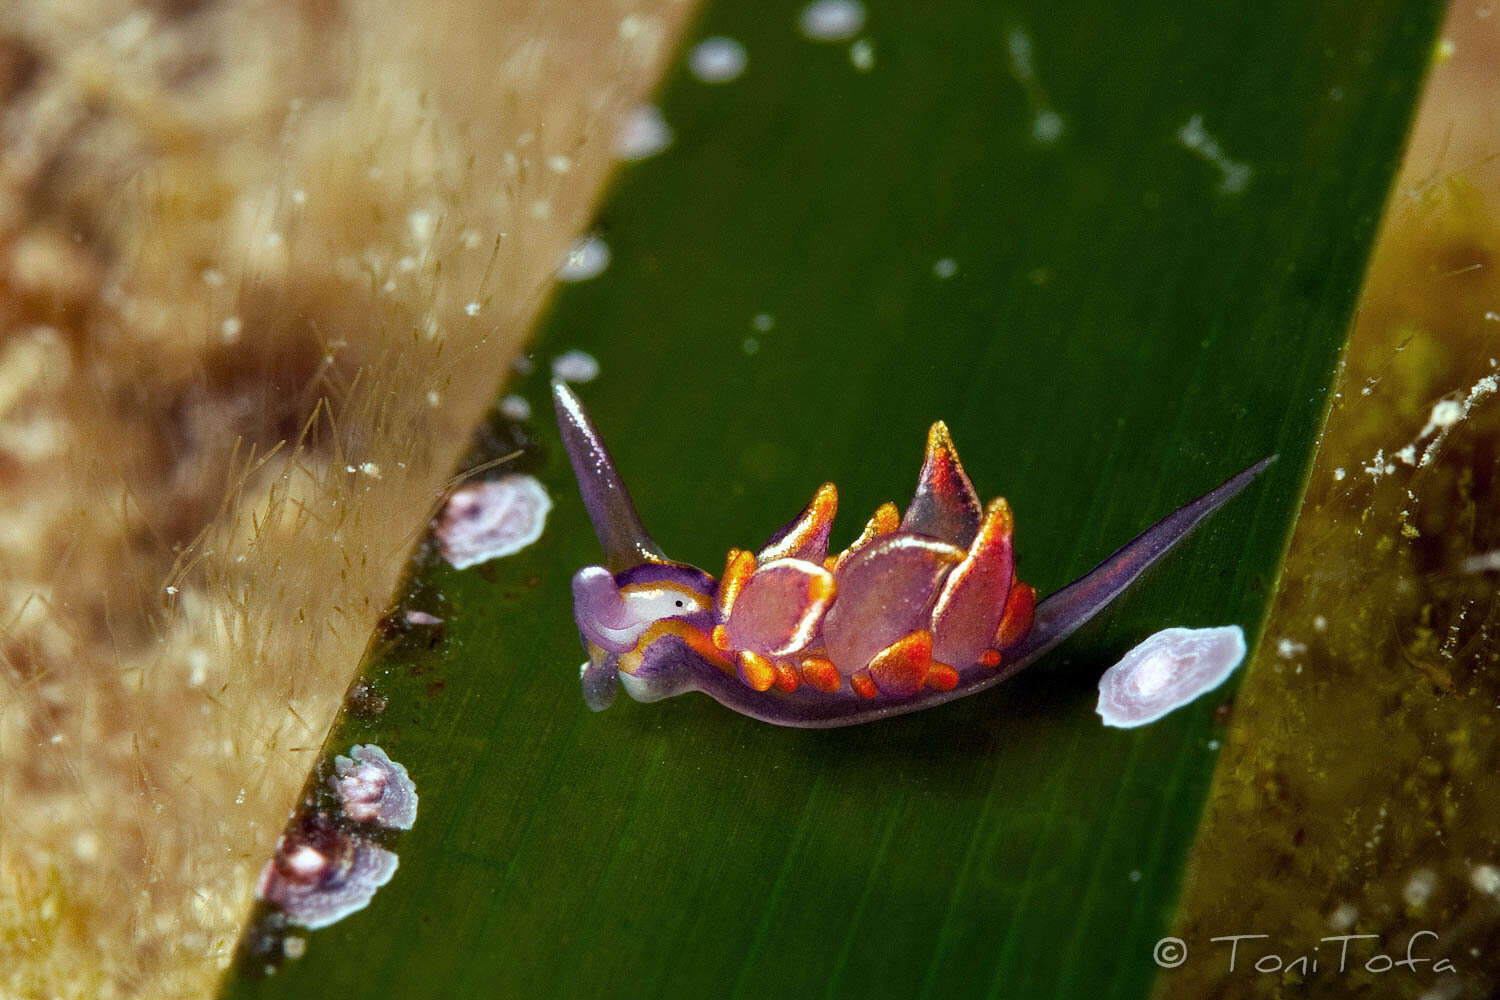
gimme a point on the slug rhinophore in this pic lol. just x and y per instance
(924, 607)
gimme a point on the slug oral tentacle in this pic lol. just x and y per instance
(625, 540)
(921, 609)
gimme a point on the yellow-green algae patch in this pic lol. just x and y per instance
(1354, 796)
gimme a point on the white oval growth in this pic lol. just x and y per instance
(643, 132)
(575, 366)
(586, 259)
(717, 59)
(1167, 671)
(487, 520)
(831, 20)
(515, 407)
(372, 788)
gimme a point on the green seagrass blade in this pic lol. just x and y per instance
(1116, 247)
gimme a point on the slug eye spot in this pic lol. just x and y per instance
(679, 603)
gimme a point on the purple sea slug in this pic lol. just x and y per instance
(924, 606)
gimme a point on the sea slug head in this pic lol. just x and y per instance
(626, 605)
(623, 617)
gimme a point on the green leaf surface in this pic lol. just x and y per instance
(1140, 306)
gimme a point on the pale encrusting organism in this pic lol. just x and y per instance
(372, 788)
(1168, 670)
(924, 607)
(321, 872)
(329, 861)
(490, 519)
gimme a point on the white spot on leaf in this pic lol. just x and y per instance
(643, 132)
(862, 55)
(1018, 44)
(1483, 562)
(515, 407)
(575, 366)
(1047, 126)
(422, 225)
(717, 60)
(831, 20)
(1290, 649)
(1418, 889)
(1233, 174)
(586, 259)
(1343, 916)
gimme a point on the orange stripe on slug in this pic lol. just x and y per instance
(821, 674)
(862, 684)
(989, 658)
(902, 667)
(820, 589)
(786, 676)
(696, 639)
(942, 677)
(1020, 610)
(756, 671)
(720, 637)
(737, 569)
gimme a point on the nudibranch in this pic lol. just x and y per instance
(924, 606)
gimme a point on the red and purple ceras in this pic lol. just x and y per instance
(922, 608)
